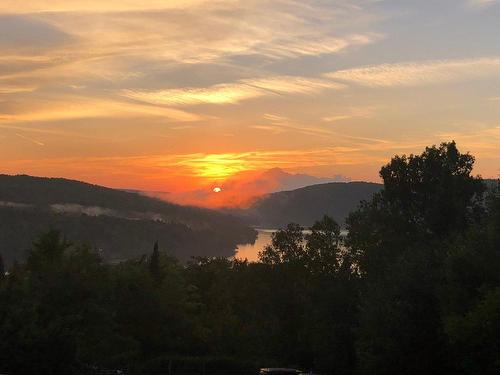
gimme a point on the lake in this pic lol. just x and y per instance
(251, 251)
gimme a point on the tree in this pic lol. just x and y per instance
(470, 294)
(2, 268)
(434, 192)
(154, 263)
(425, 199)
(47, 253)
(397, 240)
(323, 248)
(287, 246)
(332, 299)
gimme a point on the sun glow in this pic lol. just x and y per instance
(217, 166)
(217, 189)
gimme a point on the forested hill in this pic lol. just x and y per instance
(305, 205)
(121, 224)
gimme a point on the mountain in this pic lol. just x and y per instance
(120, 224)
(284, 181)
(308, 204)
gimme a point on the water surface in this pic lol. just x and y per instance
(251, 251)
(264, 236)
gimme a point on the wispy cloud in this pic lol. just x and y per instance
(278, 124)
(14, 89)
(233, 92)
(105, 47)
(419, 73)
(481, 3)
(218, 94)
(32, 140)
(350, 113)
(51, 132)
(32, 6)
(307, 46)
(71, 108)
(482, 138)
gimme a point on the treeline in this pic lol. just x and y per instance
(117, 238)
(413, 289)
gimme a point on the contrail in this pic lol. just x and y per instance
(30, 139)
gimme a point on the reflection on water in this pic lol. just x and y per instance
(251, 252)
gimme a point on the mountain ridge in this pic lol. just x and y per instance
(308, 204)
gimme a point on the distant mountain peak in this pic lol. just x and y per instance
(276, 172)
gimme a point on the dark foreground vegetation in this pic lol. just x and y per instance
(414, 289)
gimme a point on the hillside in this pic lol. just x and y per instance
(306, 205)
(121, 224)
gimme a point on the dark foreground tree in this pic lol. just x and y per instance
(2, 268)
(397, 242)
(314, 284)
(154, 262)
(470, 295)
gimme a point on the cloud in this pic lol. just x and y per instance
(21, 33)
(233, 93)
(481, 3)
(278, 124)
(292, 84)
(14, 89)
(93, 6)
(482, 138)
(46, 131)
(72, 108)
(313, 46)
(163, 30)
(419, 73)
(32, 140)
(218, 94)
(134, 48)
(350, 113)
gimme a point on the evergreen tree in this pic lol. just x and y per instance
(154, 262)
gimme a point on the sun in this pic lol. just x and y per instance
(217, 189)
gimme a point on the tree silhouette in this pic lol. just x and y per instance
(399, 242)
(2, 268)
(154, 262)
(287, 246)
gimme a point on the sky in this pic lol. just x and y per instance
(187, 95)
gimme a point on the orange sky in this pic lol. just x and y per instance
(181, 96)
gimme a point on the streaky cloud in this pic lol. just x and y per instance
(233, 93)
(58, 109)
(419, 73)
(482, 3)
